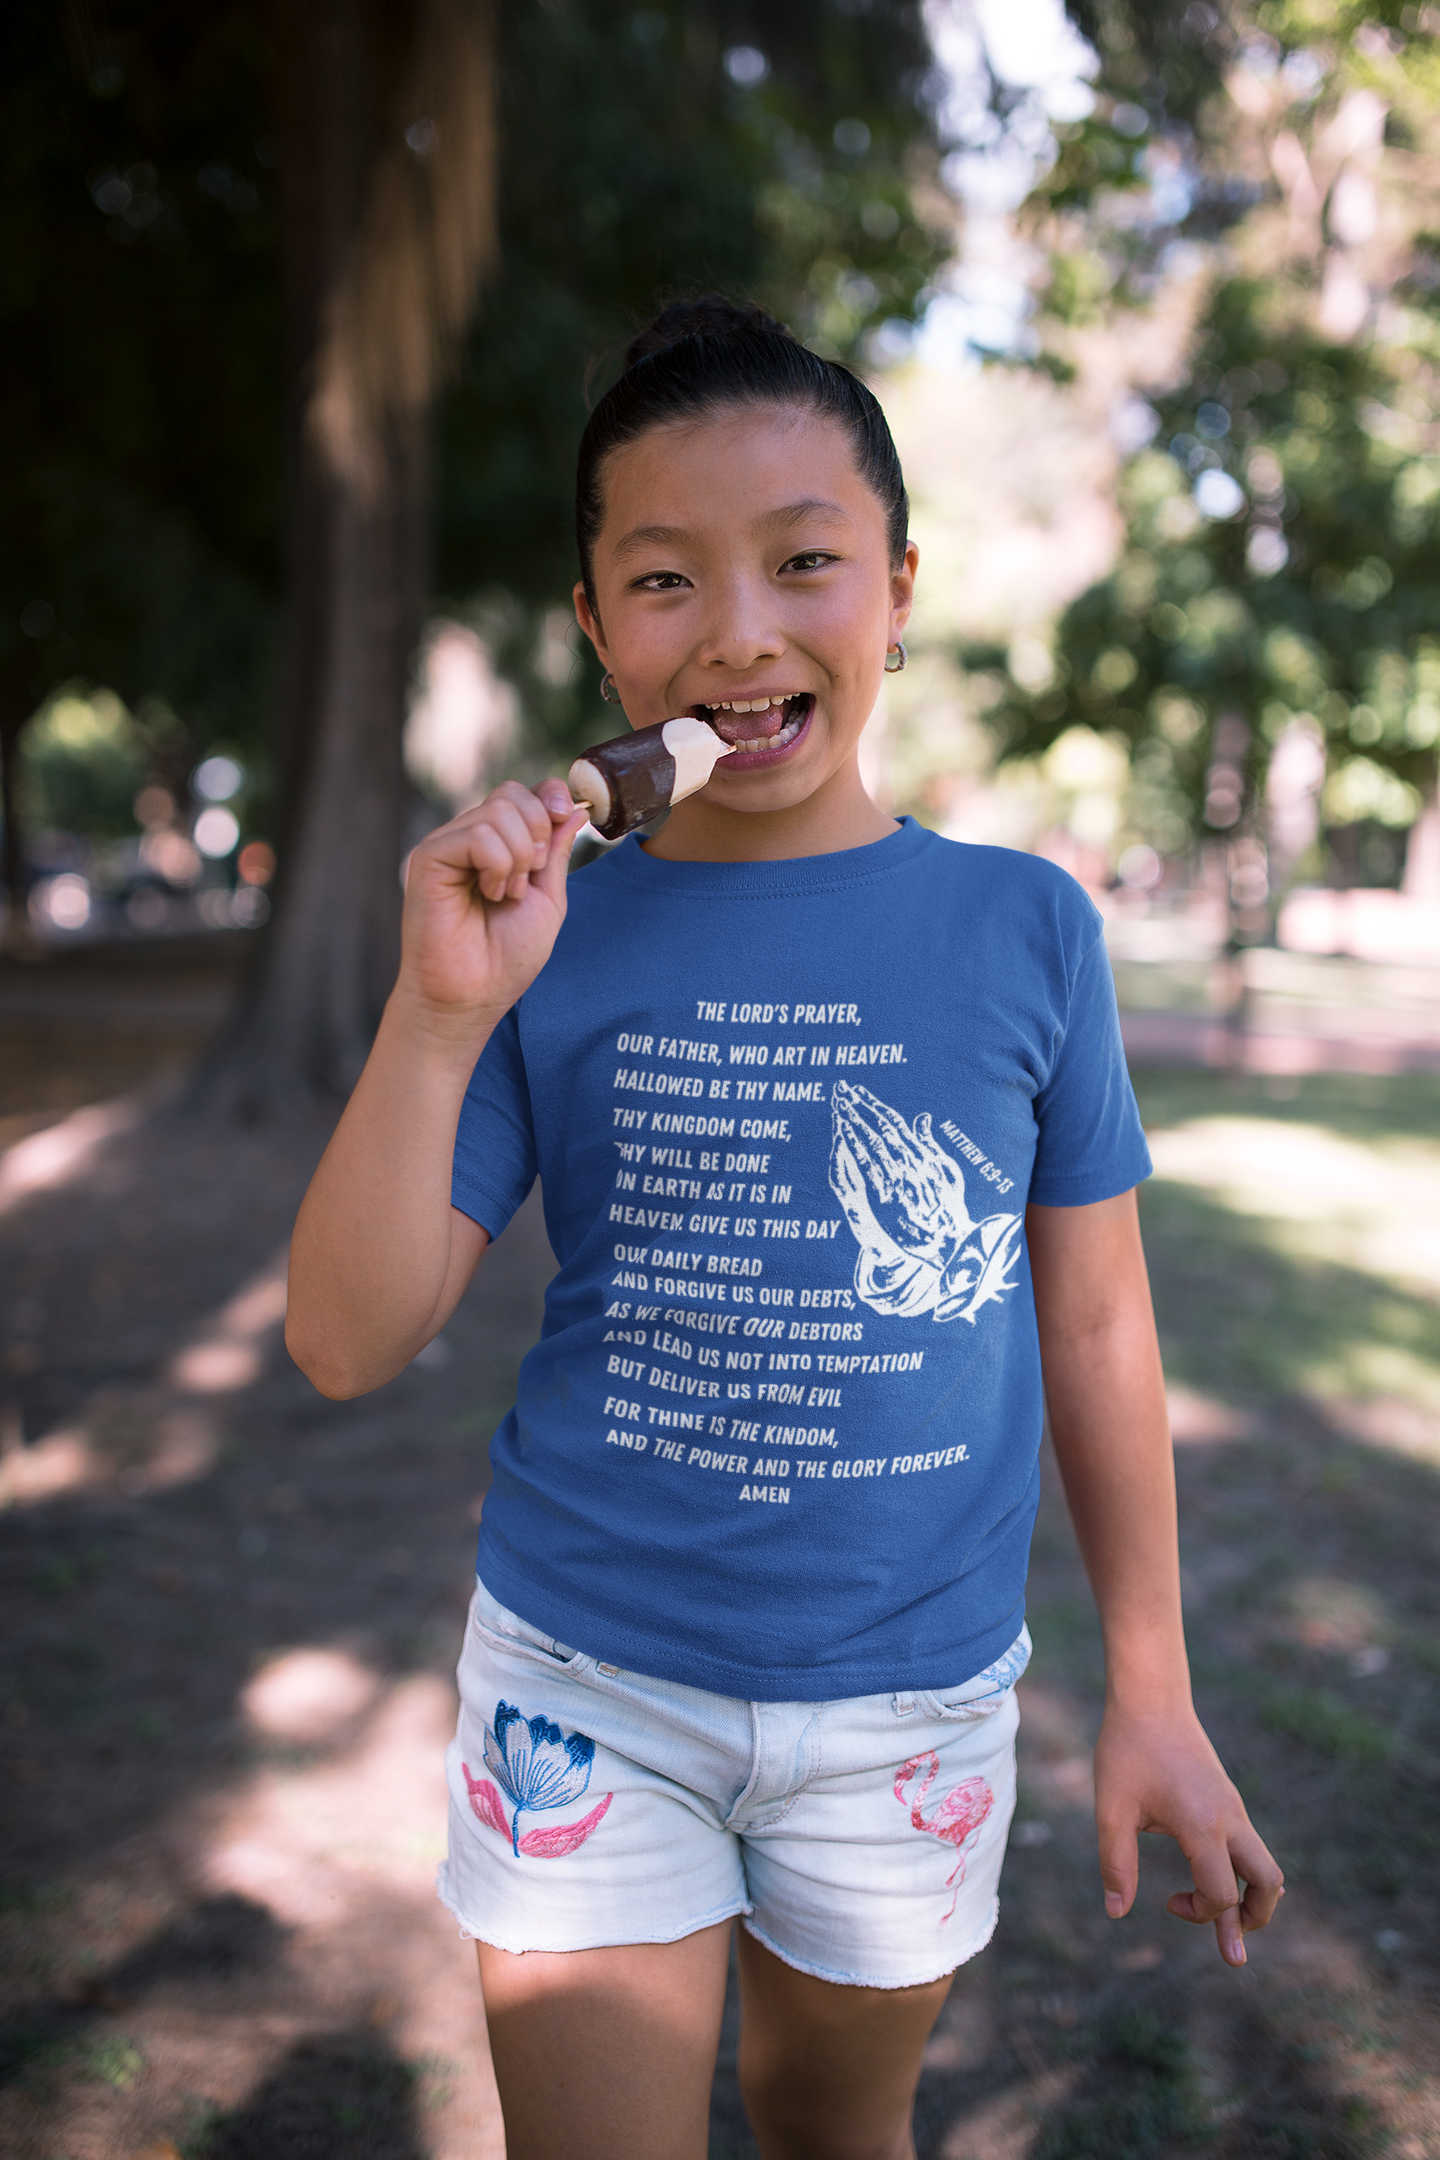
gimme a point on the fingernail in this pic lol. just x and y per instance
(1114, 1904)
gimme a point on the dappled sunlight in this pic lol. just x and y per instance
(340, 1845)
(1006, 2128)
(62, 1152)
(147, 1439)
(309, 1839)
(1305, 1973)
(60, 1463)
(323, 1857)
(1197, 1418)
(1314, 1255)
(1347, 1619)
(175, 1445)
(229, 1351)
(308, 1694)
(1390, 1423)
(1372, 1206)
(234, 1607)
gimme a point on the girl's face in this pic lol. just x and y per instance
(744, 563)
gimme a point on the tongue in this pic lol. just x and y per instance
(734, 727)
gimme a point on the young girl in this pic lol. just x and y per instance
(838, 1152)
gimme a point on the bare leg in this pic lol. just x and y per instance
(829, 2073)
(607, 2054)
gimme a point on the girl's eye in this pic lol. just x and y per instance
(660, 581)
(812, 559)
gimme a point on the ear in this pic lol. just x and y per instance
(590, 623)
(902, 590)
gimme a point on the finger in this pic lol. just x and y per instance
(551, 880)
(491, 860)
(1228, 1923)
(1263, 1880)
(1215, 1898)
(482, 845)
(525, 824)
(1257, 1908)
(557, 800)
(1230, 1936)
(1119, 1866)
(531, 806)
(523, 852)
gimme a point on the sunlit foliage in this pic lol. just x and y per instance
(1276, 168)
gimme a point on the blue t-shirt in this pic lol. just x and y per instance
(779, 1437)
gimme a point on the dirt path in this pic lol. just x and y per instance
(231, 1613)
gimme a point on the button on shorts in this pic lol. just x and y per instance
(859, 1840)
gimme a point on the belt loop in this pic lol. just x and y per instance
(904, 1705)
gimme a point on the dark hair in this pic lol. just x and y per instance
(699, 356)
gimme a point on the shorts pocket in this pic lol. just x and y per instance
(981, 1697)
(504, 1630)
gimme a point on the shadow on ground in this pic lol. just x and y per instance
(217, 1926)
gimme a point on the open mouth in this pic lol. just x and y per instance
(761, 726)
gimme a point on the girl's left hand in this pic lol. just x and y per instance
(1157, 1771)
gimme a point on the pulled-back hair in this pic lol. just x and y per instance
(707, 355)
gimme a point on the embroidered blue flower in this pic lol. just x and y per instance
(535, 1763)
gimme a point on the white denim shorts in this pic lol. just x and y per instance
(859, 1840)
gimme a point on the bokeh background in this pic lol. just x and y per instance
(301, 308)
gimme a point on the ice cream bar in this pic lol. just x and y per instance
(632, 779)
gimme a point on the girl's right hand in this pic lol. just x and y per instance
(484, 901)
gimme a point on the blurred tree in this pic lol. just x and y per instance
(1281, 576)
(289, 212)
(387, 159)
(141, 378)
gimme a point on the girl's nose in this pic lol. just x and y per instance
(740, 628)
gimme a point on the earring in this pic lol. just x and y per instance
(608, 690)
(895, 658)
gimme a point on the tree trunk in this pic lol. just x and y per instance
(377, 235)
(331, 962)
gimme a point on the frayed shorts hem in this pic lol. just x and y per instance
(494, 1938)
(952, 1963)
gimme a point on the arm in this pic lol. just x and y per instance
(1154, 1767)
(380, 1258)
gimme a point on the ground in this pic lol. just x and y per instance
(231, 1613)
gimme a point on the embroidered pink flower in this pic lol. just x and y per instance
(957, 1817)
(539, 1767)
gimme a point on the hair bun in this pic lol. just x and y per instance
(709, 315)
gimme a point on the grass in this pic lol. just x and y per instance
(1142, 2098)
(42, 2056)
(1313, 1610)
(1322, 1720)
(336, 2095)
(1261, 1319)
(1367, 1107)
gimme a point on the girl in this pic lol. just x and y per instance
(838, 1152)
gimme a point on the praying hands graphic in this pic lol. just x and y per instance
(904, 1198)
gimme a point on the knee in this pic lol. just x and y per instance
(795, 2117)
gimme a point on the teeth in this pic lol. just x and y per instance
(749, 705)
(787, 734)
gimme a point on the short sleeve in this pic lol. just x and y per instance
(1091, 1144)
(495, 1142)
